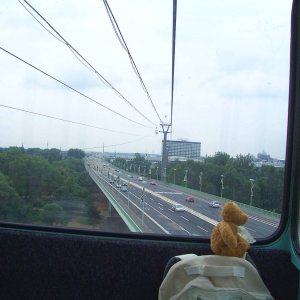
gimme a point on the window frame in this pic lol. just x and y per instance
(292, 169)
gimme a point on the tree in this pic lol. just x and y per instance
(220, 158)
(138, 159)
(33, 176)
(35, 151)
(7, 192)
(244, 164)
(52, 155)
(53, 214)
(270, 185)
(76, 153)
(12, 207)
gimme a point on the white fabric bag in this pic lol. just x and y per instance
(215, 277)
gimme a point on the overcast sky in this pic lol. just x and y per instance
(231, 75)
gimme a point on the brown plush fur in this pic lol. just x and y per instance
(225, 239)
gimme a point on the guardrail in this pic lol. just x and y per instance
(119, 201)
(131, 224)
(211, 197)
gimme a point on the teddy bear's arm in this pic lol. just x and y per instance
(228, 236)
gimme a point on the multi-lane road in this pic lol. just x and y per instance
(197, 219)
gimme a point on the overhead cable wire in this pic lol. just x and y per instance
(73, 89)
(125, 47)
(65, 120)
(173, 55)
(130, 142)
(85, 65)
(85, 62)
(40, 22)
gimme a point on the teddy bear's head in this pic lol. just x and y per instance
(232, 213)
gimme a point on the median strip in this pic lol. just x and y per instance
(172, 202)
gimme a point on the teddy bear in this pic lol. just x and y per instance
(226, 238)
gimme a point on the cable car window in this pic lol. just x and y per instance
(143, 116)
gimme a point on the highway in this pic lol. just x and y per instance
(198, 219)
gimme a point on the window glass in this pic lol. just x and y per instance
(87, 96)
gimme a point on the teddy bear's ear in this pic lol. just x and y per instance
(231, 205)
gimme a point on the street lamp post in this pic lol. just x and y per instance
(143, 203)
(185, 177)
(200, 181)
(156, 173)
(222, 186)
(174, 176)
(251, 190)
(165, 174)
(150, 173)
(129, 183)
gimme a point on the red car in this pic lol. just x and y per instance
(189, 199)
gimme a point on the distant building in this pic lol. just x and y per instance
(263, 156)
(264, 159)
(128, 156)
(184, 149)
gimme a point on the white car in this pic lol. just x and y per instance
(124, 188)
(178, 207)
(214, 204)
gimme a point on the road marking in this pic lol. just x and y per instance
(273, 224)
(184, 218)
(202, 228)
(161, 208)
(197, 214)
(250, 229)
(170, 193)
(160, 204)
(172, 202)
(170, 210)
(183, 229)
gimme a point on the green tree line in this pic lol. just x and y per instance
(207, 175)
(33, 182)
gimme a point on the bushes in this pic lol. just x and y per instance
(34, 181)
(53, 214)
